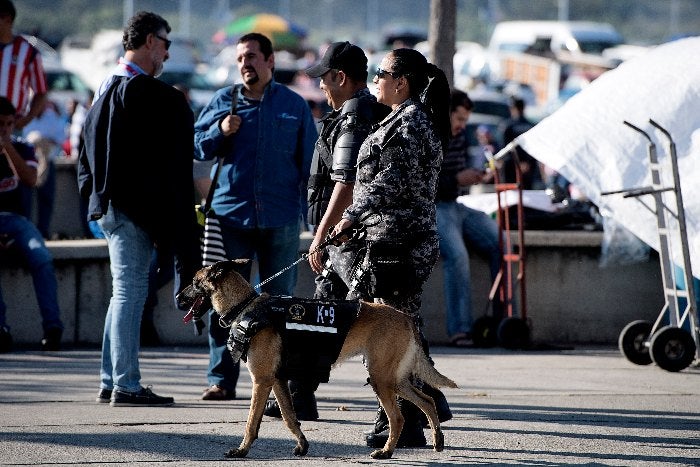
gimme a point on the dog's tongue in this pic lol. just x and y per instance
(190, 314)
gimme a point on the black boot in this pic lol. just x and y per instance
(441, 406)
(381, 422)
(411, 435)
(303, 400)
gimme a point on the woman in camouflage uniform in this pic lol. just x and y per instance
(394, 196)
(397, 170)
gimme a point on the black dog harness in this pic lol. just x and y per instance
(312, 330)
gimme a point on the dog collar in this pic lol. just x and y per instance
(228, 319)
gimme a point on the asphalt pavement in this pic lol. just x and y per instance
(585, 406)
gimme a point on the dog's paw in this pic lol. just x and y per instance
(301, 448)
(236, 453)
(381, 454)
(438, 441)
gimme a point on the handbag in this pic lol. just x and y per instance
(212, 241)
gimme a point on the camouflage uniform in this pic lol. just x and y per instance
(397, 173)
(356, 116)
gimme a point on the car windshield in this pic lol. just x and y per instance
(188, 78)
(57, 80)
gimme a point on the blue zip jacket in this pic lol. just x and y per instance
(266, 164)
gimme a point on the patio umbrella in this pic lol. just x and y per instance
(283, 33)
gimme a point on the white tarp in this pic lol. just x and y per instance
(587, 142)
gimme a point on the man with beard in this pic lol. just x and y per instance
(265, 150)
(135, 172)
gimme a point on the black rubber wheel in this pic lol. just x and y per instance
(484, 331)
(513, 333)
(633, 342)
(672, 348)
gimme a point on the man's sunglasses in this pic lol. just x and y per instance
(167, 41)
(382, 73)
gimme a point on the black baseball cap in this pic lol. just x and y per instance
(341, 56)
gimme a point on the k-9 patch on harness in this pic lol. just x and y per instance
(314, 332)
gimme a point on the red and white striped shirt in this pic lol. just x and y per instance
(21, 70)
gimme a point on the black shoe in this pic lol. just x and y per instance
(104, 396)
(412, 435)
(381, 422)
(52, 339)
(143, 398)
(5, 340)
(306, 411)
(441, 406)
(149, 334)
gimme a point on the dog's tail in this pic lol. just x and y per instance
(428, 374)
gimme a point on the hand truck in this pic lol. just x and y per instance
(505, 326)
(673, 341)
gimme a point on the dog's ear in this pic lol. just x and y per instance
(220, 269)
(224, 267)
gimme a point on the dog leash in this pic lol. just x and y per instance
(354, 232)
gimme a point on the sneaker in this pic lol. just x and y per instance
(52, 339)
(143, 398)
(104, 396)
(5, 340)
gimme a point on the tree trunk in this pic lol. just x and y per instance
(441, 35)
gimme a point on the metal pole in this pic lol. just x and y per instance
(184, 18)
(128, 10)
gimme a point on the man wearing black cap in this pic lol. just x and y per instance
(343, 74)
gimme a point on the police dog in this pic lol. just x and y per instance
(385, 337)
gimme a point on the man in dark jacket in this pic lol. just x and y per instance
(136, 171)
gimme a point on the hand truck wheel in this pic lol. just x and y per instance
(633, 342)
(672, 348)
(513, 333)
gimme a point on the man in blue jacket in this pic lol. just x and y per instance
(265, 149)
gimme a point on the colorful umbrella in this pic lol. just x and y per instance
(283, 34)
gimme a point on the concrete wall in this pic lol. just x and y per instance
(570, 299)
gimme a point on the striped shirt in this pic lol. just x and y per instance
(21, 70)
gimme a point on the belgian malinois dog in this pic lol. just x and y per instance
(386, 338)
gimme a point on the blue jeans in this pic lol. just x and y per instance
(459, 228)
(130, 251)
(274, 249)
(30, 244)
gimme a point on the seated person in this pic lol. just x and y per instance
(18, 169)
(461, 228)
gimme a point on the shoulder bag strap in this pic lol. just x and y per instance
(234, 108)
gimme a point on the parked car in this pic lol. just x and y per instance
(65, 86)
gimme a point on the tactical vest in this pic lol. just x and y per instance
(313, 332)
(347, 129)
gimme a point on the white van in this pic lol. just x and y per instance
(552, 37)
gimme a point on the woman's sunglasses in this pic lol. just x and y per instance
(382, 73)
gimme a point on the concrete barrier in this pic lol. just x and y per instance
(570, 299)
